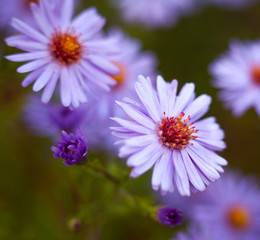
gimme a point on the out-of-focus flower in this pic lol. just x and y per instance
(50, 119)
(66, 50)
(131, 62)
(195, 233)
(232, 4)
(154, 13)
(237, 74)
(169, 216)
(21, 9)
(72, 148)
(231, 206)
(165, 131)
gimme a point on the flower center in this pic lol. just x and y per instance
(256, 74)
(66, 47)
(239, 217)
(175, 133)
(121, 76)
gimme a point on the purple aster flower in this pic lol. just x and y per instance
(164, 130)
(66, 50)
(169, 216)
(233, 4)
(233, 204)
(50, 119)
(237, 74)
(195, 233)
(154, 13)
(131, 62)
(71, 148)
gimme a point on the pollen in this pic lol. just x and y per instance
(175, 133)
(256, 74)
(120, 78)
(66, 47)
(239, 217)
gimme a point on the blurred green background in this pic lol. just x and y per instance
(39, 195)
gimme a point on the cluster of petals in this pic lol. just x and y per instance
(237, 74)
(72, 148)
(61, 48)
(154, 13)
(189, 161)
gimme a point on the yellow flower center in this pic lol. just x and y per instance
(121, 76)
(256, 74)
(239, 217)
(66, 47)
(175, 133)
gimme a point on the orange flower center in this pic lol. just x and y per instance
(256, 74)
(121, 76)
(66, 47)
(239, 217)
(175, 133)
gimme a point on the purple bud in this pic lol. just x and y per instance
(71, 148)
(169, 216)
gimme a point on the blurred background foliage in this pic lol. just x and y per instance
(39, 195)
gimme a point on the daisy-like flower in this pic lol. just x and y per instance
(233, 204)
(72, 148)
(237, 74)
(49, 119)
(153, 13)
(164, 130)
(131, 62)
(233, 4)
(66, 50)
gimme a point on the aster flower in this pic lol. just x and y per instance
(169, 216)
(66, 50)
(131, 62)
(153, 13)
(50, 119)
(233, 204)
(72, 148)
(164, 130)
(237, 74)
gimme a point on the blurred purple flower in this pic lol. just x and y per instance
(169, 216)
(231, 206)
(195, 233)
(165, 131)
(237, 73)
(154, 13)
(65, 49)
(21, 9)
(131, 62)
(71, 148)
(50, 119)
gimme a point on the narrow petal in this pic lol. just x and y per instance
(23, 57)
(65, 88)
(43, 79)
(28, 67)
